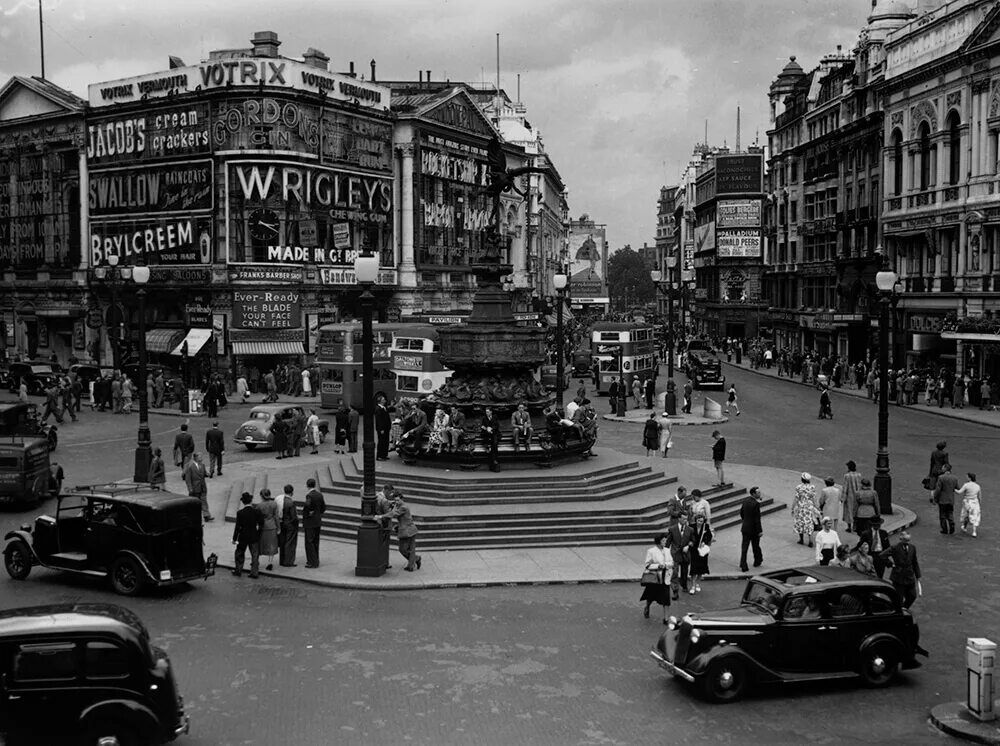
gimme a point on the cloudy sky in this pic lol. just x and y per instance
(620, 89)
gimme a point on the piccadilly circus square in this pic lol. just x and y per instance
(633, 371)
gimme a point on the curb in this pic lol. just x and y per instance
(936, 411)
(415, 586)
(674, 420)
(953, 719)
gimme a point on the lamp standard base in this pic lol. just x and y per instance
(143, 458)
(882, 484)
(373, 550)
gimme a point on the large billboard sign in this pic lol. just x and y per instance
(181, 239)
(738, 243)
(588, 259)
(253, 72)
(163, 188)
(738, 213)
(739, 174)
(175, 131)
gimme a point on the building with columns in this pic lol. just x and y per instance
(941, 220)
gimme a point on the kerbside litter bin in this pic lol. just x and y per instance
(980, 656)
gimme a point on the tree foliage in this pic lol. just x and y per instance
(628, 275)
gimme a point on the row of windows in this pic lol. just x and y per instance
(64, 661)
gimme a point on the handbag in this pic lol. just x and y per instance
(926, 483)
(650, 577)
(704, 549)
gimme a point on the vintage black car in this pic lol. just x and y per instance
(37, 376)
(84, 674)
(22, 418)
(794, 625)
(705, 370)
(134, 535)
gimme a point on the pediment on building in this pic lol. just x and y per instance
(457, 110)
(26, 98)
(985, 34)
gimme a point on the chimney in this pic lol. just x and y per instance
(421, 74)
(373, 70)
(350, 70)
(428, 78)
(265, 44)
(315, 58)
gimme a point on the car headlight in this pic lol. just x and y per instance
(687, 619)
(671, 622)
(695, 635)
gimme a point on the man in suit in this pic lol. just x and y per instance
(352, 429)
(751, 529)
(520, 423)
(490, 430)
(878, 541)
(944, 495)
(215, 446)
(905, 574)
(312, 518)
(406, 530)
(456, 428)
(613, 395)
(679, 542)
(183, 447)
(719, 457)
(246, 535)
(194, 478)
(383, 424)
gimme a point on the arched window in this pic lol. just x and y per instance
(954, 148)
(897, 162)
(925, 156)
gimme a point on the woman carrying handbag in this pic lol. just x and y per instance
(701, 544)
(654, 577)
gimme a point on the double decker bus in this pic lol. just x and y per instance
(622, 349)
(416, 360)
(406, 357)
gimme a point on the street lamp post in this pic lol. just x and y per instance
(372, 550)
(559, 282)
(113, 276)
(144, 445)
(885, 281)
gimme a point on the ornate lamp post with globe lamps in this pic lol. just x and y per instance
(143, 449)
(559, 280)
(667, 286)
(372, 550)
(885, 281)
(114, 277)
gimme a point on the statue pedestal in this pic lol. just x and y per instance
(713, 410)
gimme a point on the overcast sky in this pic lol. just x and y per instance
(620, 89)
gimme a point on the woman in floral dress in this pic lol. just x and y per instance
(805, 514)
(439, 429)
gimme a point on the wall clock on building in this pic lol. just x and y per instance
(263, 225)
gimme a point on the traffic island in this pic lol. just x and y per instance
(955, 719)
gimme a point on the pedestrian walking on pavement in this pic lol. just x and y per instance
(827, 542)
(654, 587)
(637, 391)
(679, 543)
(719, 457)
(183, 447)
(650, 389)
(852, 486)
(731, 401)
(288, 538)
(271, 523)
(944, 497)
(313, 436)
(805, 514)
(861, 559)
(353, 418)
(688, 394)
(825, 408)
(905, 574)
(194, 478)
(701, 544)
(215, 446)
(971, 508)
(868, 506)
(751, 529)
(939, 457)
(831, 502)
(246, 536)
(651, 434)
(157, 470)
(312, 520)
(406, 530)
(666, 435)
(613, 393)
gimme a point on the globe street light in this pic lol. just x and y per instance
(372, 551)
(885, 281)
(559, 280)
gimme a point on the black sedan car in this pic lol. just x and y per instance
(794, 625)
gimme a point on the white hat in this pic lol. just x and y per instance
(806, 476)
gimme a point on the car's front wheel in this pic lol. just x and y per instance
(725, 680)
(879, 665)
(17, 560)
(127, 576)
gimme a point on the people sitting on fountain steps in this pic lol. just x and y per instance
(456, 428)
(559, 425)
(489, 428)
(520, 424)
(439, 430)
(414, 425)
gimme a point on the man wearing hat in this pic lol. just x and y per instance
(905, 573)
(406, 529)
(878, 541)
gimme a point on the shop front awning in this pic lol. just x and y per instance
(163, 340)
(196, 339)
(268, 348)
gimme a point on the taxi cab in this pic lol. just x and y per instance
(24, 470)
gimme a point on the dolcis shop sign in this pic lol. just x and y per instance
(267, 309)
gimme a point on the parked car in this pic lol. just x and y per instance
(38, 376)
(85, 673)
(22, 418)
(705, 370)
(24, 470)
(549, 378)
(794, 625)
(87, 373)
(256, 431)
(135, 536)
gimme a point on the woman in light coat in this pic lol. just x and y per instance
(312, 430)
(666, 441)
(658, 560)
